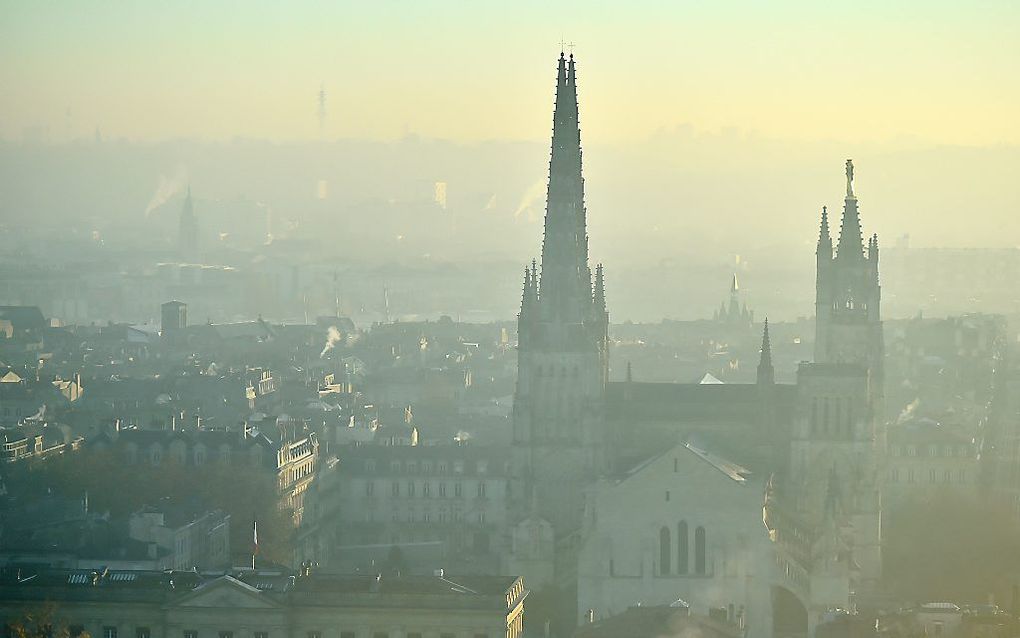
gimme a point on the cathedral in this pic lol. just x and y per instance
(742, 499)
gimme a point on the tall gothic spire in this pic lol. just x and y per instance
(766, 373)
(566, 288)
(824, 236)
(851, 242)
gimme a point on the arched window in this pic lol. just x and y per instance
(665, 561)
(681, 547)
(699, 550)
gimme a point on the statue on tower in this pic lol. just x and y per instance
(849, 178)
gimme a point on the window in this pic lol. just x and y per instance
(947, 476)
(932, 474)
(426, 489)
(933, 450)
(894, 450)
(446, 636)
(395, 489)
(681, 547)
(226, 634)
(414, 634)
(911, 450)
(348, 634)
(699, 550)
(442, 490)
(961, 476)
(410, 488)
(667, 496)
(111, 632)
(381, 634)
(369, 488)
(481, 489)
(665, 549)
(75, 630)
(260, 634)
(143, 632)
(190, 633)
(949, 450)
(314, 634)
(457, 489)
(676, 465)
(894, 475)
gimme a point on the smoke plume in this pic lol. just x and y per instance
(167, 188)
(332, 338)
(534, 195)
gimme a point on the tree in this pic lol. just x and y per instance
(43, 622)
(951, 546)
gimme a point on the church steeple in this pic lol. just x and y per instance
(851, 242)
(766, 373)
(824, 237)
(560, 437)
(565, 285)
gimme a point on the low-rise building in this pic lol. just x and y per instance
(245, 604)
(413, 507)
(925, 457)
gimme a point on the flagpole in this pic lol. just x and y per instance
(255, 543)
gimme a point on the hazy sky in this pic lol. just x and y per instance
(862, 71)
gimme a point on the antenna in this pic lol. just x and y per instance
(322, 110)
(336, 293)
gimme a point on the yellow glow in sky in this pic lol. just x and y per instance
(863, 71)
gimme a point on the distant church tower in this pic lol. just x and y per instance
(560, 441)
(188, 234)
(837, 443)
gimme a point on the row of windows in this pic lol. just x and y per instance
(145, 632)
(427, 467)
(666, 566)
(411, 489)
(947, 451)
(156, 454)
(441, 516)
(934, 476)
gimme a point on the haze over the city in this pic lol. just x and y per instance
(709, 129)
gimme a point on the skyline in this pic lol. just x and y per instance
(796, 73)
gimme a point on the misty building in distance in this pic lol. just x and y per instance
(173, 316)
(187, 239)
